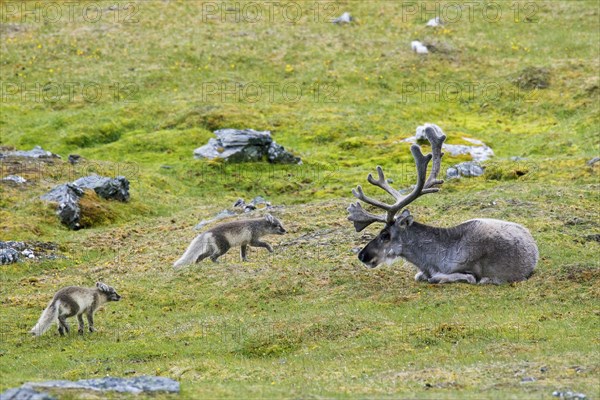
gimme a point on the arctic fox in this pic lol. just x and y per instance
(217, 241)
(74, 300)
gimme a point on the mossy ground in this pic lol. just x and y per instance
(308, 320)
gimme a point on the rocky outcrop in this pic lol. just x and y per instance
(19, 180)
(107, 188)
(67, 196)
(36, 152)
(479, 151)
(235, 145)
(11, 251)
(135, 385)
(25, 394)
(465, 169)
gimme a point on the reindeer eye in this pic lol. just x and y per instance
(385, 235)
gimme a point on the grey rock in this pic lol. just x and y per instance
(345, 18)
(67, 197)
(36, 152)
(260, 200)
(481, 152)
(11, 251)
(593, 161)
(25, 394)
(517, 158)
(528, 379)
(464, 169)
(418, 47)
(434, 22)
(136, 385)
(74, 158)
(15, 178)
(252, 205)
(221, 215)
(278, 155)
(8, 256)
(235, 145)
(569, 395)
(107, 188)
(478, 152)
(237, 137)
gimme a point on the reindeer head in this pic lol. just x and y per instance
(387, 246)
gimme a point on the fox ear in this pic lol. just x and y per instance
(103, 287)
(270, 219)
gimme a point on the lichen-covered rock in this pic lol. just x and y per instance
(278, 155)
(8, 256)
(67, 197)
(15, 179)
(11, 251)
(74, 158)
(235, 145)
(135, 385)
(36, 152)
(252, 205)
(221, 215)
(345, 18)
(479, 151)
(569, 395)
(466, 169)
(25, 394)
(107, 188)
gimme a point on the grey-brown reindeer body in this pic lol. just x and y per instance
(74, 301)
(476, 251)
(217, 241)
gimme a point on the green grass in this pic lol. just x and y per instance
(308, 321)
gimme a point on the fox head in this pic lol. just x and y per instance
(109, 291)
(274, 226)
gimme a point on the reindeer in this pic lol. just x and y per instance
(476, 251)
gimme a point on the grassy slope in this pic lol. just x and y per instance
(309, 320)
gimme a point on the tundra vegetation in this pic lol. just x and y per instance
(308, 320)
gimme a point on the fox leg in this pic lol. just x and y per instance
(202, 257)
(259, 243)
(63, 327)
(90, 318)
(219, 252)
(243, 252)
(81, 325)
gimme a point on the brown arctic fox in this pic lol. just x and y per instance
(74, 300)
(217, 241)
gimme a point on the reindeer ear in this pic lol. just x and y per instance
(102, 287)
(404, 219)
(270, 219)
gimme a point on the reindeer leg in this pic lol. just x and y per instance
(488, 281)
(452, 278)
(421, 277)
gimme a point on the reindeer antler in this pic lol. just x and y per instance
(363, 218)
